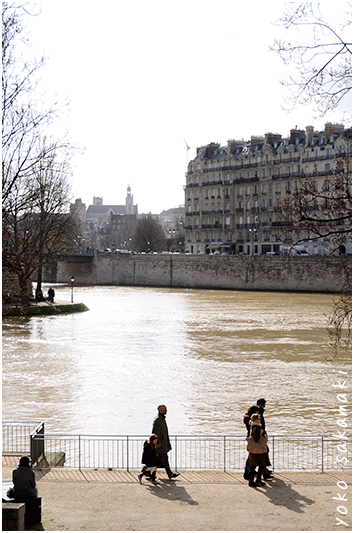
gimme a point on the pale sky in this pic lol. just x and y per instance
(142, 77)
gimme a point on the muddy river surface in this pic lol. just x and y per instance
(207, 355)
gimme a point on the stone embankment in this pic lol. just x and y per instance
(274, 273)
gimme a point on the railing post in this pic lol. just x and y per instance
(273, 454)
(127, 453)
(224, 453)
(176, 454)
(322, 452)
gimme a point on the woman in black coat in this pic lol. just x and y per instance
(149, 459)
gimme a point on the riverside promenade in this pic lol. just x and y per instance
(113, 500)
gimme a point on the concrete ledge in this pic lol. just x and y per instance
(42, 308)
(13, 516)
(33, 509)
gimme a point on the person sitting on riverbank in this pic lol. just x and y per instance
(149, 459)
(24, 480)
(39, 296)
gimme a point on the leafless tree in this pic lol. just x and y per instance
(322, 58)
(35, 176)
(36, 223)
(324, 214)
(324, 77)
(148, 236)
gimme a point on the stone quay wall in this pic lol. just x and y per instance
(261, 273)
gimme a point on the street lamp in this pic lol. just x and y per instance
(252, 232)
(72, 288)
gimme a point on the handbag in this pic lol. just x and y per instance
(257, 447)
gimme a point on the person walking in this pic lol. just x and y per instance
(258, 409)
(258, 451)
(160, 429)
(149, 459)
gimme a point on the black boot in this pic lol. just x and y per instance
(259, 481)
(251, 482)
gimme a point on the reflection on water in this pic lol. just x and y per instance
(207, 354)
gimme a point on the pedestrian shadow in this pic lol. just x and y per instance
(171, 491)
(279, 493)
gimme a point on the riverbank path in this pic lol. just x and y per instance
(114, 500)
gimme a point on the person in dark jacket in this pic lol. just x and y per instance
(149, 459)
(160, 429)
(259, 409)
(24, 480)
(51, 295)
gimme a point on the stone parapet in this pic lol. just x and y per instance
(263, 273)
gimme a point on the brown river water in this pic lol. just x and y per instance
(207, 355)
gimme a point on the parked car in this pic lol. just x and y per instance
(302, 252)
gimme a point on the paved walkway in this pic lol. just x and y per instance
(111, 500)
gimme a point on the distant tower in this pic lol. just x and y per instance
(129, 208)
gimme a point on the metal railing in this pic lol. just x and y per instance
(16, 436)
(189, 452)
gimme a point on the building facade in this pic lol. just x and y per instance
(234, 194)
(109, 225)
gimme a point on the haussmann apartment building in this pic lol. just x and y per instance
(233, 194)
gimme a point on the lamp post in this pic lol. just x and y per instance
(72, 288)
(252, 232)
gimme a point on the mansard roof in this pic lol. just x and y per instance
(318, 139)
